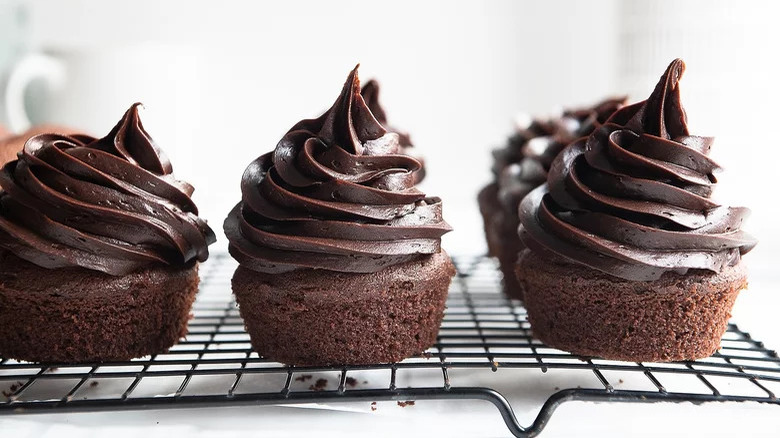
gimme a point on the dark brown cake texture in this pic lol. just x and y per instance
(587, 312)
(489, 209)
(520, 167)
(340, 255)
(500, 227)
(309, 317)
(99, 248)
(628, 257)
(77, 315)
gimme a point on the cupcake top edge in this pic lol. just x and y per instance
(634, 199)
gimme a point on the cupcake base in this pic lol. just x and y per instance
(502, 238)
(76, 315)
(317, 317)
(489, 208)
(589, 313)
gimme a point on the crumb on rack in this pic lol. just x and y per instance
(373, 406)
(94, 384)
(404, 404)
(319, 385)
(303, 378)
(12, 389)
(351, 381)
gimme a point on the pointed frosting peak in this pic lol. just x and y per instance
(130, 141)
(349, 122)
(662, 114)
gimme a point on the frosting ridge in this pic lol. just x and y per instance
(523, 164)
(634, 198)
(336, 193)
(370, 93)
(109, 204)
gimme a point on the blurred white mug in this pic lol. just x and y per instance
(90, 88)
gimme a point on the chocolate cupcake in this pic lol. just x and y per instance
(370, 93)
(628, 256)
(340, 256)
(522, 166)
(99, 248)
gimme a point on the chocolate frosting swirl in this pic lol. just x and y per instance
(109, 204)
(634, 198)
(335, 194)
(370, 93)
(523, 164)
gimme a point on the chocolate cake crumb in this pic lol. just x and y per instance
(12, 389)
(425, 355)
(373, 406)
(351, 381)
(94, 384)
(620, 380)
(319, 385)
(365, 382)
(404, 404)
(557, 388)
(303, 378)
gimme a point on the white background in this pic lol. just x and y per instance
(453, 73)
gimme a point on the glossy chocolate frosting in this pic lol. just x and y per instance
(633, 199)
(109, 204)
(523, 164)
(335, 194)
(370, 93)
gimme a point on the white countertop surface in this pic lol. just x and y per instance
(446, 419)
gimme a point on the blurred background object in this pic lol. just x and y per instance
(14, 39)
(223, 82)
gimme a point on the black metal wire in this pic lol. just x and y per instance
(482, 330)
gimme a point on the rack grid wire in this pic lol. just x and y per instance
(482, 331)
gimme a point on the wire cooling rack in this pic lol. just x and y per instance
(485, 338)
